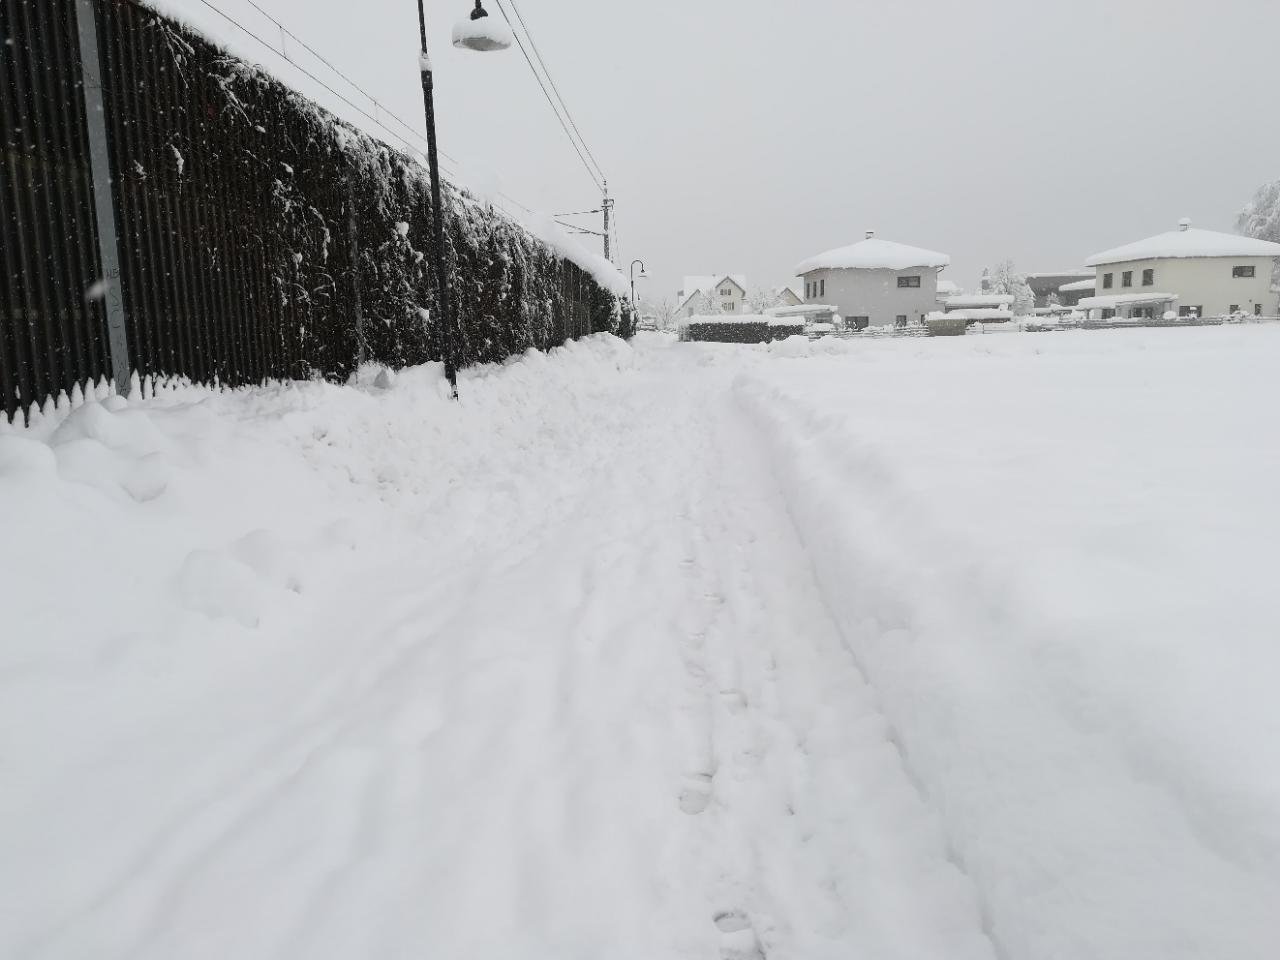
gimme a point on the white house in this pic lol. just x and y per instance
(1196, 272)
(728, 292)
(875, 282)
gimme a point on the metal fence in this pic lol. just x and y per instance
(256, 236)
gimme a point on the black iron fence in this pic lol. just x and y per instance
(257, 237)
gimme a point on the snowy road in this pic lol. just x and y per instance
(653, 652)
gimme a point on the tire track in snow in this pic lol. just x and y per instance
(1064, 843)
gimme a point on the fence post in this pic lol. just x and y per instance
(104, 208)
(362, 348)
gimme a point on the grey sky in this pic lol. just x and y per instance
(746, 135)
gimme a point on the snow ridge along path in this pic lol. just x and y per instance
(636, 651)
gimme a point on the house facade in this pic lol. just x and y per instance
(875, 282)
(1193, 272)
(711, 293)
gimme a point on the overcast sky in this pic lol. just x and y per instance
(745, 135)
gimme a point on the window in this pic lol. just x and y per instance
(1107, 313)
(807, 287)
(1106, 281)
(900, 320)
(730, 307)
(726, 291)
(822, 292)
(1257, 309)
(1241, 273)
(858, 323)
(1148, 278)
(1190, 311)
(1126, 279)
(1143, 313)
(909, 282)
(1235, 308)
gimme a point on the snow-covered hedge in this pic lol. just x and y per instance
(739, 328)
(321, 205)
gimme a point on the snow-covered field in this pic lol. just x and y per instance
(898, 649)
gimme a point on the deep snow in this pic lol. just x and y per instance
(896, 649)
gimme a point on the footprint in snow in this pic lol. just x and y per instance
(696, 794)
(737, 939)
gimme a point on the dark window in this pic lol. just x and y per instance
(1242, 272)
(1148, 278)
(900, 320)
(1143, 313)
(1126, 279)
(1107, 313)
(1257, 309)
(807, 287)
(1190, 311)
(858, 323)
(823, 291)
(1106, 281)
(1235, 308)
(912, 282)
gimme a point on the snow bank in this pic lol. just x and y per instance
(1070, 624)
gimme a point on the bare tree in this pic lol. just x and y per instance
(759, 300)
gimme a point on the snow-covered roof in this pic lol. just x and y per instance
(874, 254)
(705, 282)
(1060, 273)
(996, 300)
(1079, 285)
(1124, 300)
(1187, 242)
(948, 288)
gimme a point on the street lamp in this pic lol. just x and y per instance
(478, 34)
(643, 275)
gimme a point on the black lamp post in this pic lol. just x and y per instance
(477, 35)
(633, 278)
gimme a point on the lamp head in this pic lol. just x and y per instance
(481, 32)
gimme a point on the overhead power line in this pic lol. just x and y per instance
(551, 80)
(586, 164)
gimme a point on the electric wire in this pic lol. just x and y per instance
(586, 164)
(515, 7)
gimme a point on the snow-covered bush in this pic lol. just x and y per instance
(311, 216)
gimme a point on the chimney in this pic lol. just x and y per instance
(1184, 224)
(870, 234)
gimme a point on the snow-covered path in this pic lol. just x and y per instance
(636, 652)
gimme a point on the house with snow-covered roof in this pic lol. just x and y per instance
(712, 293)
(1197, 272)
(875, 282)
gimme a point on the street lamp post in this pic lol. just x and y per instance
(477, 35)
(633, 278)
